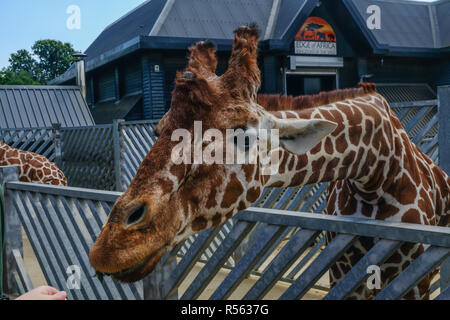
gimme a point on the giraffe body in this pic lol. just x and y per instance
(32, 167)
(349, 138)
(375, 172)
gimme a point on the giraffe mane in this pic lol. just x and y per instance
(276, 102)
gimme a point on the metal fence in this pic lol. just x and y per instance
(62, 224)
(121, 147)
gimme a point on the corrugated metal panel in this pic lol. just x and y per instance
(158, 97)
(443, 21)
(106, 86)
(406, 92)
(214, 19)
(40, 106)
(132, 79)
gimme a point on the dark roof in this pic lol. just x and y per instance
(42, 106)
(176, 24)
(138, 22)
(406, 26)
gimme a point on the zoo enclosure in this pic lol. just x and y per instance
(62, 224)
(427, 126)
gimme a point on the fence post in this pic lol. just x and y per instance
(444, 159)
(155, 284)
(56, 135)
(12, 232)
(117, 153)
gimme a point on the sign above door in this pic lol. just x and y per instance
(316, 36)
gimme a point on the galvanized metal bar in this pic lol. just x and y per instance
(316, 248)
(409, 104)
(80, 193)
(240, 230)
(416, 271)
(191, 257)
(24, 277)
(407, 232)
(246, 264)
(444, 127)
(381, 251)
(12, 237)
(444, 295)
(117, 153)
(319, 266)
(281, 263)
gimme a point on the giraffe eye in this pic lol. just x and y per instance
(136, 215)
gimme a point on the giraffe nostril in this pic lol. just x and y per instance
(136, 215)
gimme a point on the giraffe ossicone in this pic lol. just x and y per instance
(350, 138)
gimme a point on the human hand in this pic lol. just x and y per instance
(44, 293)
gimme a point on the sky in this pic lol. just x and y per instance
(22, 22)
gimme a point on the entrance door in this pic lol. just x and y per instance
(301, 84)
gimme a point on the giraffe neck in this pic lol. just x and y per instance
(366, 148)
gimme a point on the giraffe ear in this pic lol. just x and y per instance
(301, 135)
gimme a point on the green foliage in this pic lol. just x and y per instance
(48, 60)
(21, 77)
(53, 58)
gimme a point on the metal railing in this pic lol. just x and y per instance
(62, 223)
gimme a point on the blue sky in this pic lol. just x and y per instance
(22, 22)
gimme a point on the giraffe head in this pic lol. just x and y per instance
(169, 200)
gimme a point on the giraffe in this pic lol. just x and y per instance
(349, 138)
(32, 167)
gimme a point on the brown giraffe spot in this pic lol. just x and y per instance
(47, 171)
(212, 201)
(369, 131)
(407, 193)
(291, 164)
(366, 209)
(348, 160)
(298, 178)
(199, 223)
(411, 216)
(253, 194)
(216, 220)
(341, 143)
(425, 203)
(242, 206)
(282, 166)
(14, 161)
(316, 149)
(386, 211)
(328, 144)
(248, 170)
(232, 191)
(355, 135)
(316, 169)
(330, 169)
(276, 184)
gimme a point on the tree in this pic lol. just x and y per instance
(22, 60)
(48, 60)
(21, 77)
(53, 58)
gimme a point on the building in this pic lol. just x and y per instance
(307, 46)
